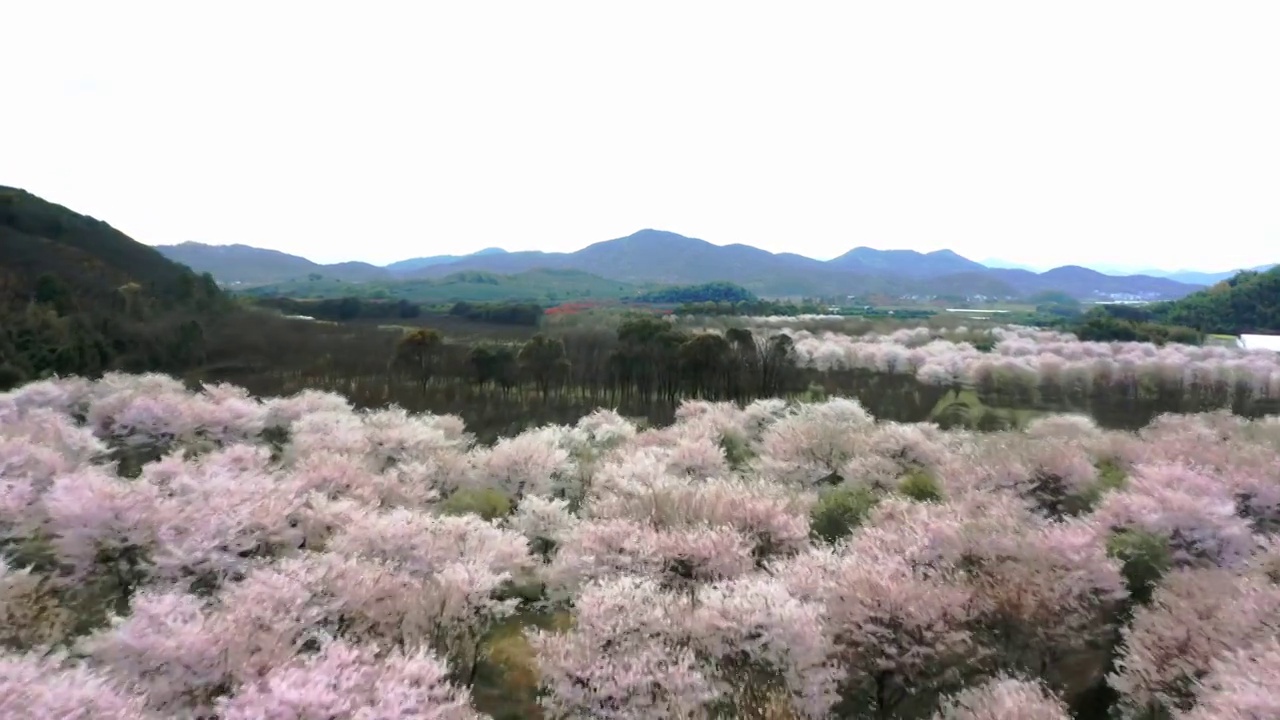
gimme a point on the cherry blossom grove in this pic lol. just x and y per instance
(170, 553)
(942, 357)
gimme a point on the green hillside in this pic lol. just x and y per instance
(1247, 302)
(79, 296)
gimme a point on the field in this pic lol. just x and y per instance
(928, 522)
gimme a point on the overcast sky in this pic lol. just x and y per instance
(1120, 133)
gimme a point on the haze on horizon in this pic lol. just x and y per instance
(1135, 134)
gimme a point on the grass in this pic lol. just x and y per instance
(506, 685)
(1220, 340)
(459, 329)
(969, 409)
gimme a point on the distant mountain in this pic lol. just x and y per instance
(1193, 277)
(247, 265)
(656, 256)
(998, 264)
(406, 266)
(242, 264)
(651, 257)
(1211, 278)
(905, 262)
(1084, 283)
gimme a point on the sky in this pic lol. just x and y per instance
(1127, 134)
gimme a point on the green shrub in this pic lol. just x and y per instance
(840, 510)
(815, 393)
(488, 503)
(1110, 477)
(737, 451)
(1144, 559)
(920, 486)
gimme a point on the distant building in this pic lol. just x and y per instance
(1259, 342)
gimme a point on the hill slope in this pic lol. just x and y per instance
(1083, 283)
(1247, 302)
(905, 262)
(1203, 278)
(78, 296)
(408, 266)
(89, 256)
(246, 265)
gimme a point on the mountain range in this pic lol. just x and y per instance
(1191, 277)
(1195, 277)
(655, 256)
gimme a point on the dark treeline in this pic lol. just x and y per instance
(52, 330)
(715, 292)
(343, 309)
(644, 367)
(645, 361)
(751, 308)
(501, 313)
(1127, 323)
(353, 308)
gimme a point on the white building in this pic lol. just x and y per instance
(1259, 342)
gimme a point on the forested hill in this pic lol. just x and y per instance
(1247, 302)
(79, 296)
(93, 257)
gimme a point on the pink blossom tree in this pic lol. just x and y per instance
(351, 682)
(36, 686)
(623, 659)
(1196, 615)
(1242, 684)
(1004, 698)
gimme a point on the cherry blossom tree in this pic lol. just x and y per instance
(36, 686)
(347, 682)
(1004, 698)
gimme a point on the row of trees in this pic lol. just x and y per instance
(649, 361)
(647, 365)
(501, 313)
(343, 309)
(716, 292)
(1122, 323)
(751, 308)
